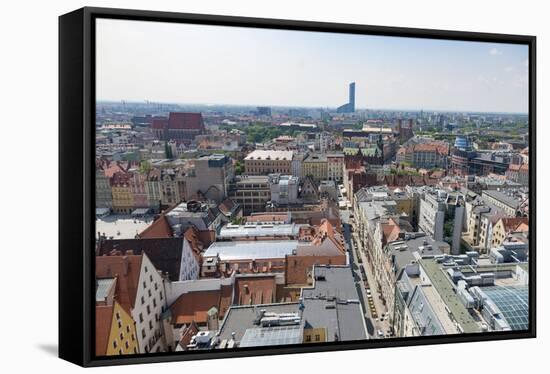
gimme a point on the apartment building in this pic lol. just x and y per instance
(264, 162)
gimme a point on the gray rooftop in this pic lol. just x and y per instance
(255, 250)
(268, 336)
(333, 303)
(502, 197)
(425, 245)
(238, 319)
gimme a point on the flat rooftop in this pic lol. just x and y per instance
(253, 250)
(239, 319)
(247, 231)
(270, 155)
(122, 226)
(333, 303)
(403, 250)
(445, 288)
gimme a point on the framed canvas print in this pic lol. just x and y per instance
(236, 186)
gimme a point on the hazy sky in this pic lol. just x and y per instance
(178, 63)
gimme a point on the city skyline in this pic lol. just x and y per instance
(390, 72)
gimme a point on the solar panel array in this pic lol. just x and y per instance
(257, 337)
(513, 302)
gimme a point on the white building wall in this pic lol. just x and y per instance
(150, 303)
(189, 268)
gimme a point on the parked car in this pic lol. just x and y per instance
(380, 334)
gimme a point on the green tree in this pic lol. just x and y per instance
(145, 166)
(168, 150)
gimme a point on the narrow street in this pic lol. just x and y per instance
(372, 304)
(381, 310)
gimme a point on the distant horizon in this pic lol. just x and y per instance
(178, 62)
(357, 109)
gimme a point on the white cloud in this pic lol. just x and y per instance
(495, 52)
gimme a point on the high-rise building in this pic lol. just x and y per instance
(352, 97)
(349, 107)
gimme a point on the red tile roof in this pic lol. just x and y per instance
(193, 306)
(113, 167)
(227, 206)
(255, 290)
(188, 333)
(390, 231)
(188, 121)
(442, 149)
(121, 179)
(126, 270)
(268, 217)
(159, 123)
(160, 228)
(512, 224)
(193, 238)
(103, 320)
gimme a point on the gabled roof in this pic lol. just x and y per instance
(126, 269)
(114, 167)
(390, 231)
(511, 224)
(160, 228)
(187, 334)
(121, 179)
(164, 253)
(103, 320)
(192, 236)
(326, 242)
(228, 207)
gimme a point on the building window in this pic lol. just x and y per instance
(144, 284)
(142, 300)
(308, 338)
(150, 325)
(154, 303)
(143, 333)
(146, 269)
(128, 328)
(148, 310)
(317, 338)
(141, 317)
(149, 293)
(115, 344)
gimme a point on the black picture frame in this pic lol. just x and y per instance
(76, 184)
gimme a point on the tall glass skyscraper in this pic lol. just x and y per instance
(352, 97)
(349, 107)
